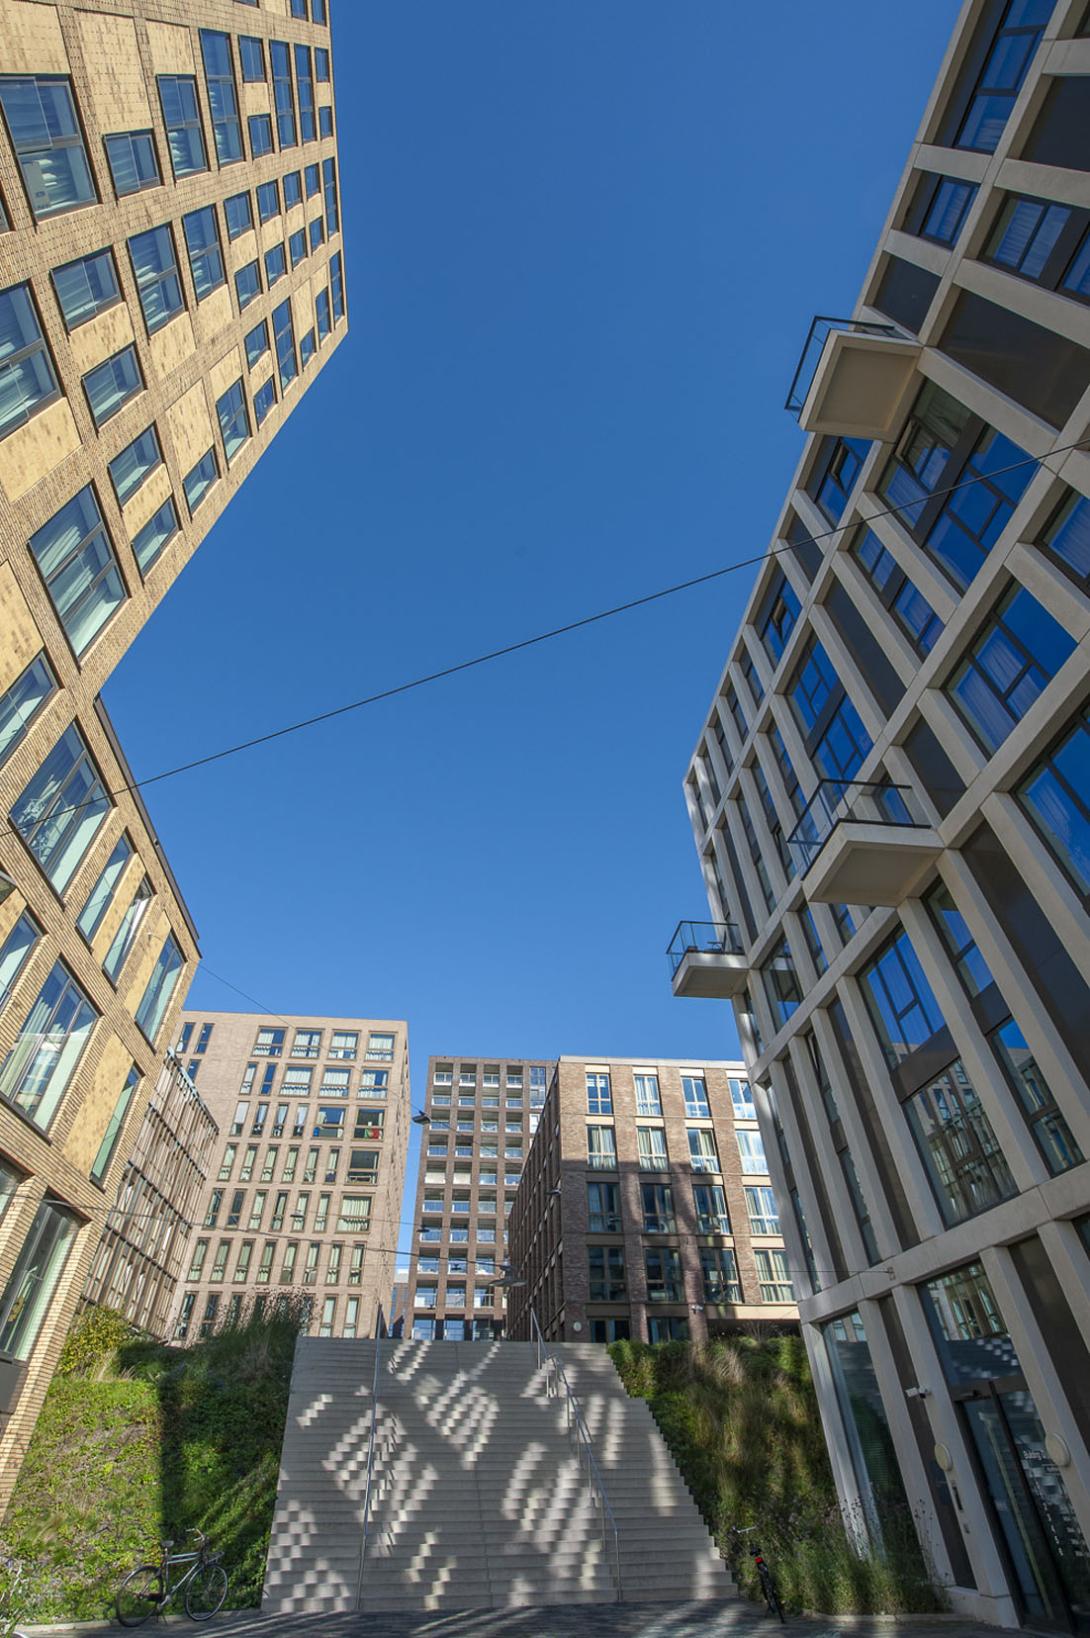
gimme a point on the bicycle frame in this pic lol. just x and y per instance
(195, 1561)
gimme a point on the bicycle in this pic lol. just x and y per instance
(764, 1574)
(147, 1590)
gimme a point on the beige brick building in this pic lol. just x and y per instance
(170, 282)
(646, 1209)
(482, 1116)
(304, 1193)
(146, 1245)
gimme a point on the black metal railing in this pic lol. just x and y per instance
(838, 800)
(809, 359)
(703, 938)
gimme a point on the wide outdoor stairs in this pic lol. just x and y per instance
(478, 1495)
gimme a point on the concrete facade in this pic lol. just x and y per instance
(145, 1247)
(483, 1113)
(646, 1209)
(133, 373)
(304, 1191)
(890, 802)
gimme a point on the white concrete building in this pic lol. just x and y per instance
(891, 801)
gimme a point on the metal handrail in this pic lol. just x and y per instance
(380, 1327)
(821, 328)
(577, 1423)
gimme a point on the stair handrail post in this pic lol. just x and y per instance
(380, 1328)
(577, 1422)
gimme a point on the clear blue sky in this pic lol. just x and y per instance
(584, 240)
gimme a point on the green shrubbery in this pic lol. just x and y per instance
(742, 1422)
(137, 1441)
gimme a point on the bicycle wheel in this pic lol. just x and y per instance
(139, 1596)
(205, 1593)
(768, 1587)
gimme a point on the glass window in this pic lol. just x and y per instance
(317, 233)
(961, 1154)
(703, 1153)
(199, 481)
(202, 241)
(293, 189)
(781, 984)
(283, 94)
(261, 136)
(329, 188)
(911, 610)
(268, 201)
(132, 465)
(76, 560)
(321, 64)
(101, 1163)
(860, 1399)
(276, 265)
(305, 86)
(27, 379)
(264, 401)
(322, 314)
(109, 386)
(658, 1208)
(38, 1268)
(125, 937)
(1056, 795)
(62, 808)
(603, 1208)
(238, 213)
(13, 956)
(648, 1101)
(154, 262)
(780, 612)
(233, 419)
(1025, 236)
(663, 1270)
(160, 988)
(1009, 665)
(45, 134)
(297, 247)
(751, 1151)
(601, 1148)
(20, 704)
(182, 118)
(773, 1276)
(834, 732)
(764, 1216)
(252, 56)
(606, 1276)
(247, 284)
(101, 895)
(219, 78)
(947, 209)
(149, 541)
(37, 1070)
(257, 343)
(1066, 538)
(134, 164)
(599, 1095)
(1050, 1130)
(719, 1272)
(901, 1002)
(1002, 73)
(835, 474)
(307, 347)
(696, 1097)
(336, 279)
(710, 1202)
(651, 1149)
(380, 1047)
(84, 287)
(741, 1097)
(325, 120)
(312, 180)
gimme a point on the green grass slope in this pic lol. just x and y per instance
(742, 1423)
(138, 1440)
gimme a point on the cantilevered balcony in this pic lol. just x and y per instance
(853, 379)
(706, 960)
(863, 844)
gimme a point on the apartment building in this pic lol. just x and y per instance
(170, 282)
(646, 1209)
(145, 1247)
(304, 1192)
(481, 1116)
(891, 803)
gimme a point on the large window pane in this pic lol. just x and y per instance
(77, 563)
(901, 1002)
(1057, 797)
(1008, 666)
(155, 265)
(45, 134)
(27, 379)
(160, 988)
(101, 1164)
(133, 162)
(125, 937)
(148, 543)
(101, 895)
(181, 115)
(202, 241)
(33, 1281)
(20, 703)
(109, 386)
(13, 955)
(222, 97)
(132, 465)
(39, 1066)
(62, 808)
(86, 287)
(965, 1165)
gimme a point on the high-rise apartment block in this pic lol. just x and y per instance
(646, 1209)
(891, 801)
(482, 1114)
(145, 1247)
(170, 282)
(304, 1192)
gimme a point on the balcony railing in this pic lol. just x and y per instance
(705, 938)
(874, 841)
(809, 359)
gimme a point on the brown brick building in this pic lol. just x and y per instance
(304, 1191)
(145, 1248)
(645, 1209)
(482, 1116)
(170, 283)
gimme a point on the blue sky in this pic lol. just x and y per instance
(584, 241)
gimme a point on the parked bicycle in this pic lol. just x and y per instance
(764, 1574)
(147, 1590)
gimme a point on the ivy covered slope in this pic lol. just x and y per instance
(137, 1441)
(742, 1423)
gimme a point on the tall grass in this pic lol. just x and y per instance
(741, 1420)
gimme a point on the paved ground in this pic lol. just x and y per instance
(585, 1621)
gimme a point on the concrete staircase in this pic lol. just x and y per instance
(478, 1496)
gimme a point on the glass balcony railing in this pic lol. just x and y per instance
(840, 801)
(703, 938)
(820, 331)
